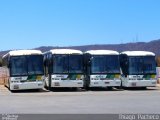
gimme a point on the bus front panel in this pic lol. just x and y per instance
(104, 71)
(141, 71)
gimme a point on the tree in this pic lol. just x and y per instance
(158, 61)
(0, 62)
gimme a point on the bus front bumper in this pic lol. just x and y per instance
(67, 83)
(27, 85)
(139, 83)
(105, 83)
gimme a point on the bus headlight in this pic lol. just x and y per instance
(16, 86)
(79, 83)
(153, 82)
(40, 84)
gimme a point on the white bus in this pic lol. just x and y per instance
(102, 68)
(25, 69)
(138, 69)
(63, 68)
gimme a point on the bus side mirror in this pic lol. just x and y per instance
(126, 63)
(8, 65)
(89, 63)
(50, 62)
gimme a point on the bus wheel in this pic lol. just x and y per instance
(119, 87)
(47, 88)
(74, 89)
(10, 89)
(143, 88)
(109, 88)
(86, 87)
(9, 86)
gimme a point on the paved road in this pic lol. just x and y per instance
(96, 101)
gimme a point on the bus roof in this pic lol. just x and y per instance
(65, 51)
(23, 52)
(138, 53)
(102, 52)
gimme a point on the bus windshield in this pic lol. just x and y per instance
(60, 64)
(18, 65)
(105, 64)
(26, 65)
(149, 65)
(35, 64)
(67, 64)
(142, 65)
(75, 64)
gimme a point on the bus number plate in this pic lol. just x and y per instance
(56, 84)
(106, 82)
(133, 84)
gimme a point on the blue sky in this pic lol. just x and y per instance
(27, 24)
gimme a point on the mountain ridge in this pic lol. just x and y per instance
(153, 46)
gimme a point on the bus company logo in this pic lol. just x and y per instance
(99, 76)
(9, 117)
(136, 76)
(18, 78)
(61, 76)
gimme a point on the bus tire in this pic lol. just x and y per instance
(74, 88)
(119, 87)
(143, 88)
(9, 86)
(86, 87)
(109, 88)
(47, 87)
